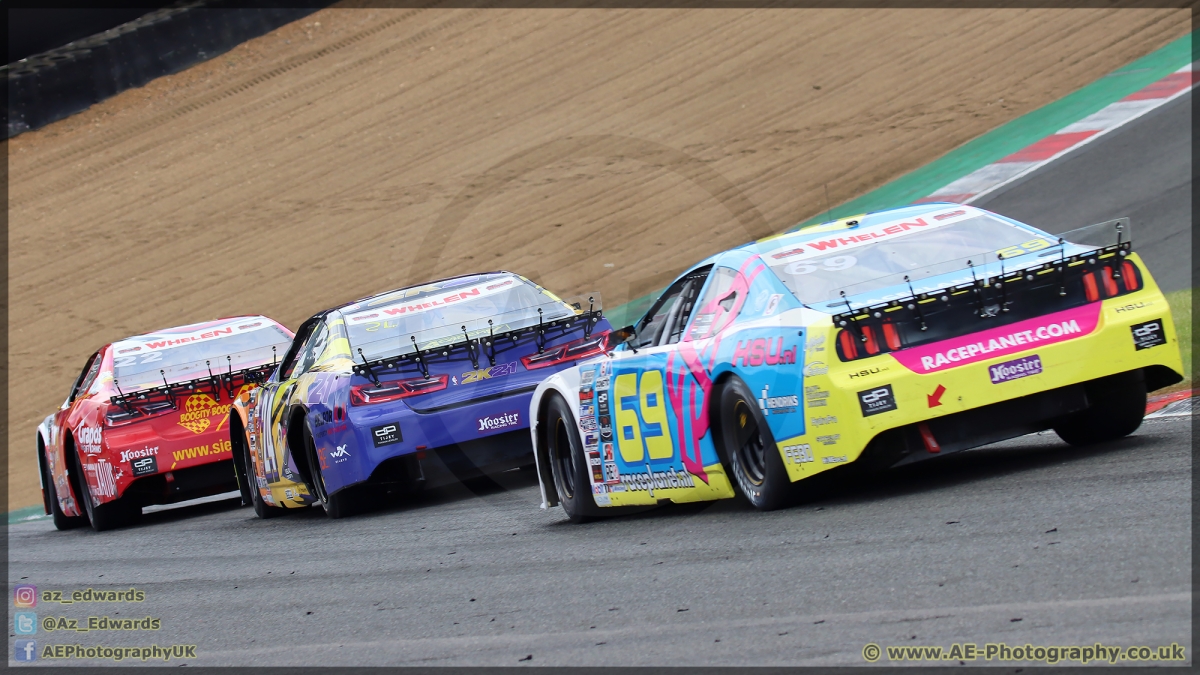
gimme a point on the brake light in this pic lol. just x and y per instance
(847, 341)
(891, 337)
(1110, 284)
(1129, 276)
(594, 345)
(370, 393)
(869, 341)
(1090, 291)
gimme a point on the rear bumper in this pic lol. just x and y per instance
(987, 398)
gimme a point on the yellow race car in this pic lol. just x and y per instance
(881, 339)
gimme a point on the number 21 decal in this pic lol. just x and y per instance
(642, 431)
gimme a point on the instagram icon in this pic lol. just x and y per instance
(25, 595)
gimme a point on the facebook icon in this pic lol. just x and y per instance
(25, 650)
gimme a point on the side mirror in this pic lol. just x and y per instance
(622, 336)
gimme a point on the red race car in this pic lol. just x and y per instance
(145, 422)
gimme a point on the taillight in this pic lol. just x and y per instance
(1107, 283)
(867, 341)
(1110, 284)
(594, 345)
(1090, 291)
(370, 393)
(1129, 276)
(891, 337)
(848, 342)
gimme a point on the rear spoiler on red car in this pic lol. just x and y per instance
(228, 382)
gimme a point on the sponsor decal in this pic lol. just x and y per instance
(878, 400)
(822, 421)
(798, 454)
(89, 439)
(386, 434)
(322, 417)
(498, 370)
(761, 351)
(831, 439)
(201, 451)
(330, 430)
(867, 371)
(102, 481)
(777, 405)
(815, 368)
(656, 480)
(430, 302)
(590, 440)
(862, 236)
(1016, 369)
(1148, 334)
(585, 395)
(144, 466)
(160, 341)
(199, 411)
(341, 454)
(586, 377)
(772, 304)
(587, 410)
(602, 402)
(1001, 341)
(833, 460)
(815, 344)
(146, 451)
(1133, 306)
(289, 493)
(505, 420)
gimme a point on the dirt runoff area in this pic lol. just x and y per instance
(591, 149)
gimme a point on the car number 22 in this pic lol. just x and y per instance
(642, 431)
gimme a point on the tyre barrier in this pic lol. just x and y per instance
(47, 87)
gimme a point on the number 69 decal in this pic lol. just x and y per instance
(641, 427)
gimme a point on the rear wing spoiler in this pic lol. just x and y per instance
(484, 344)
(228, 382)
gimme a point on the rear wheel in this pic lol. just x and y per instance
(1117, 404)
(750, 450)
(110, 515)
(347, 501)
(567, 462)
(61, 520)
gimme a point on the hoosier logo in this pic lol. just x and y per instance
(199, 410)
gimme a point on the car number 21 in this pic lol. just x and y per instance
(642, 431)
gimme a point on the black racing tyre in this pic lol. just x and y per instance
(241, 461)
(108, 516)
(61, 520)
(567, 462)
(1117, 404)
(750, 450)
(261, 508)
(347, 501)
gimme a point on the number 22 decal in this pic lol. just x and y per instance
(642, 431)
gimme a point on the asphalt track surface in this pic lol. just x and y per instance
(1028, 541)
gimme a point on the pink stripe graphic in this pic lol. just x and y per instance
(989, 344)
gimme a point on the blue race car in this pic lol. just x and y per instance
(417, 387)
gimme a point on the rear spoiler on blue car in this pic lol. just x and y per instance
(483, 345)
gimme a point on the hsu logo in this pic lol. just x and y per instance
(758, 351)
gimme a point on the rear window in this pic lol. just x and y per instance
(437, 314)
(181, 354)
(816, 269)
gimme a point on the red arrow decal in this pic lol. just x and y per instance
(935, 399)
